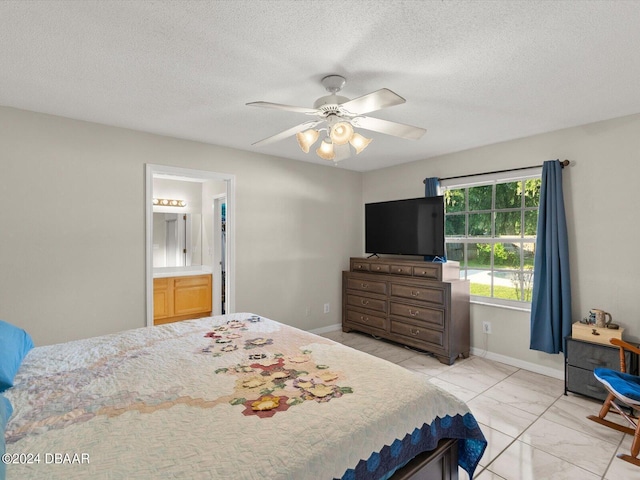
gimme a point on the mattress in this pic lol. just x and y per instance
(228, 397)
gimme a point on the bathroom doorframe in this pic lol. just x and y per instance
(217, 201)
(190, 175)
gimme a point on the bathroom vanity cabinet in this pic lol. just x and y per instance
(181, 298)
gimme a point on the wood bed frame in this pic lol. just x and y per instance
(438, 464)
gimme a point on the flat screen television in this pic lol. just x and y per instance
(405, 227)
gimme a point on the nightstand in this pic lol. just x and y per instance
(582, 358)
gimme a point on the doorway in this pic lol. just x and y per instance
(220, 260)
(219, 252)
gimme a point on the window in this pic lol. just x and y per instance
(490, 228)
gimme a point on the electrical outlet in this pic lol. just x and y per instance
(326, 308)
(486, 327)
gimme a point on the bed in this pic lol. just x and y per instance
(229, 397)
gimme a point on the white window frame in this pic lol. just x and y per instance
(491, 179)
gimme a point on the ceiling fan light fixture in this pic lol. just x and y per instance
(325, 151)
(338, 116)
(359, 143)
(341, 133)
(307, 138)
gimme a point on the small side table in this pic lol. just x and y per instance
(582, 358)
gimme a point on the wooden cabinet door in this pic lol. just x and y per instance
(162, 296)
(192, 295)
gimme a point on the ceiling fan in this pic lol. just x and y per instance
(336, 116)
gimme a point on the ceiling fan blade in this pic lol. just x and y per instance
(287, 133)
(289, 108)
(373, 101)
(390, 128)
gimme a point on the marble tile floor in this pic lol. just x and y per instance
(534, 431)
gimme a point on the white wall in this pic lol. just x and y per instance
(72, 244)
(600, 191)
(72, 235)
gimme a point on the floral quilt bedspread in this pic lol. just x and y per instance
(230, 397)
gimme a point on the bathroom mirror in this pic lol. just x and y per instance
(177, 239)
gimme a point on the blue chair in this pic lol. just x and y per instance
(624, 394)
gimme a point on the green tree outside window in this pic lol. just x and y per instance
(490, 229)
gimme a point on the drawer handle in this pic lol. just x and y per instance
(377, 268)
(364, 302)
(364, 319)
(414, 314)
(595, 361)
(360, 267)
(364, 285)
(415, 294)
(399, 270)
(414, 331)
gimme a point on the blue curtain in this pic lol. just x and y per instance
(551, 298)
(431, 186)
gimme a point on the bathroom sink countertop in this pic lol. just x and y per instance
(162, 272)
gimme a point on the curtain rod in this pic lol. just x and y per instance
(564, 163)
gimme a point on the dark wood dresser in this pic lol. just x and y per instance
(420, 304)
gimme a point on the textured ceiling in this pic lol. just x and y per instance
(473, 72)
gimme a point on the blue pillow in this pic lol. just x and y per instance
(5, 413)
(15, 343)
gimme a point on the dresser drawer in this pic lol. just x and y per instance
(160, 283)
(401, 270)
(433, 316)
(366, 319)
(415, 332)
(428, 294)
(582, 381)
(360, 266)
(428, 271)
(191, 281)
(590, 356)
(367, 286)
(379, 268)
(366, 302)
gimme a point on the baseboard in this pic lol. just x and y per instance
(515, 362)
(330, 328)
